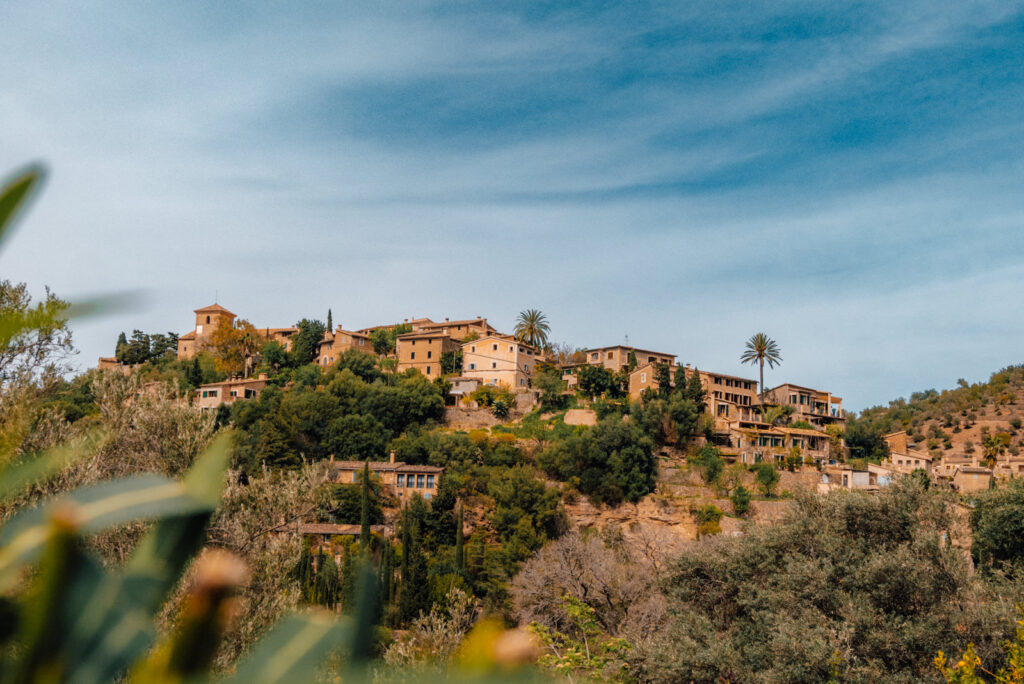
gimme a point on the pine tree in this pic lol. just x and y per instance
(364, 513)
(460, 556)
(330, 322)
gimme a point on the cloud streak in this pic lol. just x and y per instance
(846, 179)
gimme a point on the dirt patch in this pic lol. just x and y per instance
(580, 417)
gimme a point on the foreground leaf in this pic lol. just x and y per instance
(293, 650)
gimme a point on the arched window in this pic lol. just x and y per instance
(207, 319)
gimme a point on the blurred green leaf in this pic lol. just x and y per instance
(18, 477)
(96, 508)
(293, 650)
(114, 620)
(14, 194)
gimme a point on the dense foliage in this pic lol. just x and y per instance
(852, 586)
(343, 415)
(611, 462)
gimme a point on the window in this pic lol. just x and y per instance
(643, 377)
(594, 356)
(414, 343)
(213, 393)
(473, 348)
(430, 481)
(472, 366)
(429, 354)
(494, 347)
(428, 370)
(510, 347)
(400, 481)
(522, 381)
(419, 482)
(494, 364)
(234, 393)
(609, 355)
(207, 320)
(354, 474)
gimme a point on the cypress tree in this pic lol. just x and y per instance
(385, 573)
(330, 322)
(663, 377)
(460, 556)
(327, 581)
(194, 374)
(316, 585)
(364, 513)
(348, 580)
(120, 347)
(695, 391)
(680, 380)
(304, 572)
(631, 361)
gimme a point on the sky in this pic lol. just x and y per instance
(845, 177)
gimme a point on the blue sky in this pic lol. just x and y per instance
(846, 179)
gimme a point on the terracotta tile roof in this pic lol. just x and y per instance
(188, 336)
(421, 469)
(386, 465)
(974, 469)
(214, 308)
(803, 431)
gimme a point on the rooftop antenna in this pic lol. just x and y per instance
(627, 340)
(216, 295)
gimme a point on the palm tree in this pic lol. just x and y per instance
(532, 328)
(761, 349)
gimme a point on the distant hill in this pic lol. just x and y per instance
(965, 420)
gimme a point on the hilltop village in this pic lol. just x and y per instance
(484, 371)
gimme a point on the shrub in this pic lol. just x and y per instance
(849, 586)
(767, 477)
(740, 500)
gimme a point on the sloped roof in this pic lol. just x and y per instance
(214, 308)
(191, 335)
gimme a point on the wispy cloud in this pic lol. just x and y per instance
(845, 178)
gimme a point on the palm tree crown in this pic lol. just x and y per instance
(762, 349)
(532, 328)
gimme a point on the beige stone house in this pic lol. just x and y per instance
(972, 479)
(400, 479)
(616, 358)
(902, 457)
(209, 396)
(500, 360)
(337, 342)
(817, 407)
(207, 320)
(423, 351)
(730, 397)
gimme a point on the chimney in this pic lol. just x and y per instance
(391, 458)
(445, 319)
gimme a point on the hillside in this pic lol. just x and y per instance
(966, 420)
